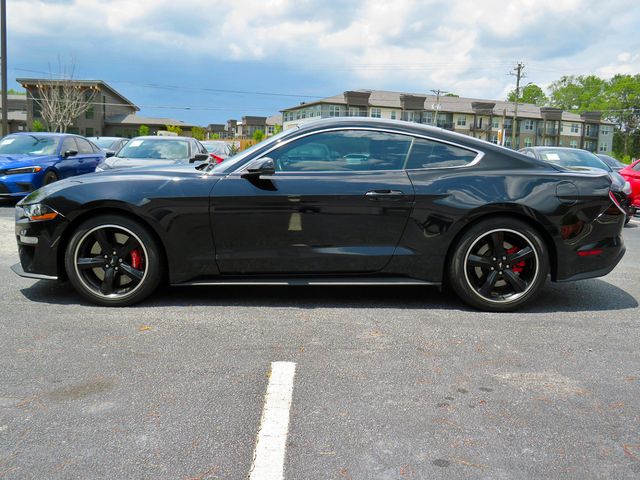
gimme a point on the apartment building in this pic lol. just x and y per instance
(484, 119)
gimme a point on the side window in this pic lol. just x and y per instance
(84, 147)
(431, 154)
(346, 150)
(68, 144)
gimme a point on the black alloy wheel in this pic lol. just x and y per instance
(113, 260)
(499, 265)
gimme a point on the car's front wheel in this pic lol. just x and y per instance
(113, 260)
(499, 264)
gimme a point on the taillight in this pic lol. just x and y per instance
(616, 201)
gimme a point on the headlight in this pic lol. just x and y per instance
(38, 211)
(627, 188)
(15, 171)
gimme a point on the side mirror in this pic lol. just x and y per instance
(199, 157)
(109, 153)
(262, 166)
(69, 153)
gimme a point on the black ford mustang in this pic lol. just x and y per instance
(341, 201)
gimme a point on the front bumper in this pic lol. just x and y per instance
(38, 247)
(18, 270)
(17, 186)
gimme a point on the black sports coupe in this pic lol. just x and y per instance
(340, 201)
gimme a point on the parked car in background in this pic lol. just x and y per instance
(156, 151)
(220, 149)
(30, 160)
(347, 201)
(584, 161)
(110, 145)
(614, 163)
(632, 174)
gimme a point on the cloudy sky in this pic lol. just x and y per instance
(205, 61)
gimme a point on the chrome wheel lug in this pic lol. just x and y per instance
(494, 259)
(106, 256)
(504, 258)
(119, 260)
(492, 269)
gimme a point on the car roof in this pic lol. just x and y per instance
(109, 138)
(47, 134)
(161, 137)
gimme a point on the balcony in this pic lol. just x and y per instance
(547, 132)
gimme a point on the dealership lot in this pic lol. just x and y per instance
(390, 382)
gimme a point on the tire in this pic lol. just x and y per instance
(114, 261)
(49, 177)
(510, 281)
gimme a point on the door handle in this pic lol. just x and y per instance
(374, 194)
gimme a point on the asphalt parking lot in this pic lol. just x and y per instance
(390, 383)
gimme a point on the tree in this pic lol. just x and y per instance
(215, 136)
(455, 95)
(277, 128)
(143, 130)
(578, 94)
(531, 93)
(63, 99)
(175, 129)
(11, 91)
(258, 135)
(622, 99)
(37, 126)
(198, 133)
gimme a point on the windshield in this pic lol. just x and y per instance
(156, 149)
(28, 145)
(232, 162)
(220, 148)
(104, 142)
(573, 158)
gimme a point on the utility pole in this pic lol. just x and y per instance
(438, 92)
(3, 53)
(519, 75)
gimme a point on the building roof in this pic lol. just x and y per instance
(98, 83)
(388, 99)
(133, 119)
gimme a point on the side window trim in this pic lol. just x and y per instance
(475, 161)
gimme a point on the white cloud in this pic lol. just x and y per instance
(462, 46)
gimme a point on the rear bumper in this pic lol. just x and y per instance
(606, 267)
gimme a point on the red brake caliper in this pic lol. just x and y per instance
(518, 266)
(136, 259)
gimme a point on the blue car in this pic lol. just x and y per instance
(30, 160)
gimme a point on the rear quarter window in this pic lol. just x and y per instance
(432, 154)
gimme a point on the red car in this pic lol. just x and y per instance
(631, 174)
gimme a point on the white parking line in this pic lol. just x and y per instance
(268, 458)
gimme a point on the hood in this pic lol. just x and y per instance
(9, 161)
(119, 162)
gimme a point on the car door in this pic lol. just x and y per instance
(88, 159)
(337, 203)
(68, 166)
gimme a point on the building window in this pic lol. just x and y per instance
(529, 125)
(604, 130)
(334, 111)
(573, 143)
(376, 112)
(88, 113)
(603, 147)
(298, 115)
(527, 142)
(462, 121)
(495, 123)
(494, 139)
(393, 114)
(88, 132)
(575, 128)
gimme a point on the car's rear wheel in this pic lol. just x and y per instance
(49, 177)
(499, 264)
(113, 260)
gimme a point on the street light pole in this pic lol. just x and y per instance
(3, 53)
(437, 105)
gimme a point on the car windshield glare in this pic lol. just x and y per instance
(155, 149)
(571, 158)
(28, 145)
